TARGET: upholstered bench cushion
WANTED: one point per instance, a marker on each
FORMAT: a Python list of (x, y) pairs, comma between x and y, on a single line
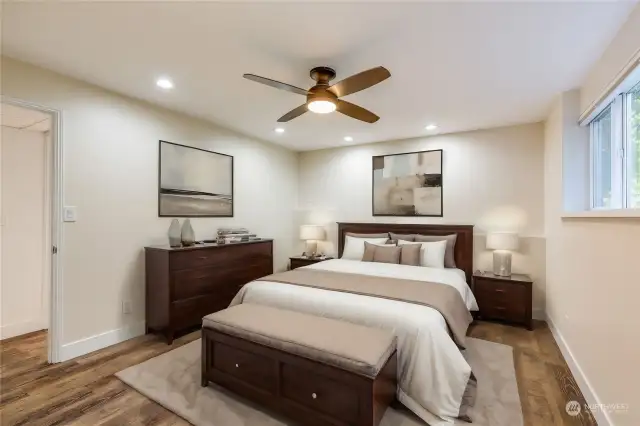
[(356, 348)]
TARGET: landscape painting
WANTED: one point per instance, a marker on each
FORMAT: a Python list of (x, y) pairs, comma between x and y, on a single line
[(194, 182), (408, 184)]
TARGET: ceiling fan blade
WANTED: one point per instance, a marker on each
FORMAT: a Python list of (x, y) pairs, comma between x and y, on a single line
[(354, 111), (360, 81), (296, 112), (276, 84)]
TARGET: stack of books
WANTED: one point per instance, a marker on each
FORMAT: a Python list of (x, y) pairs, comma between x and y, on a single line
[(235, 235)]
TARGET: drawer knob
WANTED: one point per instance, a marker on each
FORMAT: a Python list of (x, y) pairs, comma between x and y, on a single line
[(314, 396), (237, 366)]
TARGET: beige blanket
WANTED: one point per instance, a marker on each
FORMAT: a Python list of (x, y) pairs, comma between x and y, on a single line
[(444, 298)]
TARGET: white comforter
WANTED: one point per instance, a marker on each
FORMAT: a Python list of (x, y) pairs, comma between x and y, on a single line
[(432, 373)]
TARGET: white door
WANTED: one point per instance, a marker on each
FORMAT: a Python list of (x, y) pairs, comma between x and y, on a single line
[(23, 292)]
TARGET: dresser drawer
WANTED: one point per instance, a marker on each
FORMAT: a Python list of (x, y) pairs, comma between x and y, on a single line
[(188, 283), (320, 393), (246, 366), (221, 256)]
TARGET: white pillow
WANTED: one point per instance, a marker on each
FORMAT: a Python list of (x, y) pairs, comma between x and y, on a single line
[(431, 253), (354, 247)]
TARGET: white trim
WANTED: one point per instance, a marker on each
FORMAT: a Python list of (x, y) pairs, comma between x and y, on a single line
[(590, 396), (57, 196), (603, 214), (100, 341), (16, 329)]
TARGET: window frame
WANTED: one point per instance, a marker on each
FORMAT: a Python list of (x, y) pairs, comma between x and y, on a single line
[(620, 147)]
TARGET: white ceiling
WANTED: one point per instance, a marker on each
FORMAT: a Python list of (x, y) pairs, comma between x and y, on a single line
[(463, 66), (24, 118)]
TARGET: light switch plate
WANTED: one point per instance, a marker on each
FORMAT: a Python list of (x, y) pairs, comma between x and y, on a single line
[(70, 213)]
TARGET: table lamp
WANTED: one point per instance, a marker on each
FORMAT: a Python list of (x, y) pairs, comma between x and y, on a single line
[(503, 243), (312, 234)]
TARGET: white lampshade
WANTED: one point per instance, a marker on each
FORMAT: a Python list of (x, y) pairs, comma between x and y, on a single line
[(502, 241), (312, 232)]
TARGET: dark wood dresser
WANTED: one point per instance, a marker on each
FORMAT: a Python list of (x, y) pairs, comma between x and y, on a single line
[(504, 298), (186, 283)]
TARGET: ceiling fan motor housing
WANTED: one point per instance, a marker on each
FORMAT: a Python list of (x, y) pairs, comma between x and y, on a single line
[(323, 75)]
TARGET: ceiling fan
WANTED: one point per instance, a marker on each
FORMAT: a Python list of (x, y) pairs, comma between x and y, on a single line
[(323, 99)]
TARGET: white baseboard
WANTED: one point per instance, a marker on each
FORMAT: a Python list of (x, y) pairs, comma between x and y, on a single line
[(100, 341), (590, 396), (17, 329)]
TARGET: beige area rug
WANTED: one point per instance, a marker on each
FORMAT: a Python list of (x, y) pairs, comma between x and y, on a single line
[(173, 380)]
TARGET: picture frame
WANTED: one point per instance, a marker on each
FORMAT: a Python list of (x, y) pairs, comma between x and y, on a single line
[(194, 182), (408, 184)]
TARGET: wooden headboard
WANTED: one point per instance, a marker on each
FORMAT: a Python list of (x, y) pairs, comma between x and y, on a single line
[(463, 253)]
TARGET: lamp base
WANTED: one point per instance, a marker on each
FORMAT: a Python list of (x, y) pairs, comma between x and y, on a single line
[(310, 250), (502, 263)]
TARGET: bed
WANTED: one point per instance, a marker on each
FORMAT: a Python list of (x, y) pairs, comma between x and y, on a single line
[(434, 379)]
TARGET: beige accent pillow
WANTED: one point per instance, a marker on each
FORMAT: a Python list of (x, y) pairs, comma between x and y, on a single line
[(405, 237), (431, 253), (410, 254), (449, 260), (388, 253)]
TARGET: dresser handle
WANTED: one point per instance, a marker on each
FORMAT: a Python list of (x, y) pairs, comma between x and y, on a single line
[(314, 396), (203, 258), (499, 290), (500, 308), (237, 366)]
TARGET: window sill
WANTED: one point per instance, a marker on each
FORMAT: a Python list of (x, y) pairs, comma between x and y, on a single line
[(604, 214)]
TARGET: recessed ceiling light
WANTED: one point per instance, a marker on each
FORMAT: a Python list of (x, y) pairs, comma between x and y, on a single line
[(348, 139), (279, 130), (431, 127), (164, 83)]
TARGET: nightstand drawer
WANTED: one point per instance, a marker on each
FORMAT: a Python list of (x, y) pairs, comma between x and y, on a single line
[(504, 311), (496, 292)]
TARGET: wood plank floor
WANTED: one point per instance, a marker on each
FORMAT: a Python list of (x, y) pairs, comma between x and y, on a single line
[(85, 391)]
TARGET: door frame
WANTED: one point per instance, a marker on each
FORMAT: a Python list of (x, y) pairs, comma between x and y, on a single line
[(54, 231)]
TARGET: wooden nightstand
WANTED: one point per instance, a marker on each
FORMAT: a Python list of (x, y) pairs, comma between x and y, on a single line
[(299, 261), (504, 298)]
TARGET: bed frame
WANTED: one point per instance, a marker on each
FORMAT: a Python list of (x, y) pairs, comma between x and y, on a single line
[(463, 252)]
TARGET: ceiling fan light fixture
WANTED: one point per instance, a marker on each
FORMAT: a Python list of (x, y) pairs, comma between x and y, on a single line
[(321, 106)]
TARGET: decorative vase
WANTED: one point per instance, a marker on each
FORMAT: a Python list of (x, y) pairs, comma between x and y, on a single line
[(188, 236), (174, 234)]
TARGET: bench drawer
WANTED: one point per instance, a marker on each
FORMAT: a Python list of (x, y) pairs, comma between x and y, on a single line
[(248, 367), (320, 393)]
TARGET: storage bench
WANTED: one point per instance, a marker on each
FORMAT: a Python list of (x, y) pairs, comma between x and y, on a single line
[(314, 370)]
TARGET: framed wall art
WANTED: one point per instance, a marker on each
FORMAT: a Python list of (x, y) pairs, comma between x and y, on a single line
[(194, 182), (408, 184)]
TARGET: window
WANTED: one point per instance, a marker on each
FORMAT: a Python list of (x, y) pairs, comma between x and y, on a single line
[(615, 153), (633, 147)]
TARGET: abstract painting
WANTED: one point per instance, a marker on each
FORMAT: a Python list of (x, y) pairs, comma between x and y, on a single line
[(194, 182), (408, 184)]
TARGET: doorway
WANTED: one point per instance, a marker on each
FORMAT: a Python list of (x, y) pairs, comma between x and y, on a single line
[(29, 239)]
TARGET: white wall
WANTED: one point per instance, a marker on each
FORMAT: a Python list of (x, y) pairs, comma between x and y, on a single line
[(492, 179), (110, 174), (22, 276), (592, 285)]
